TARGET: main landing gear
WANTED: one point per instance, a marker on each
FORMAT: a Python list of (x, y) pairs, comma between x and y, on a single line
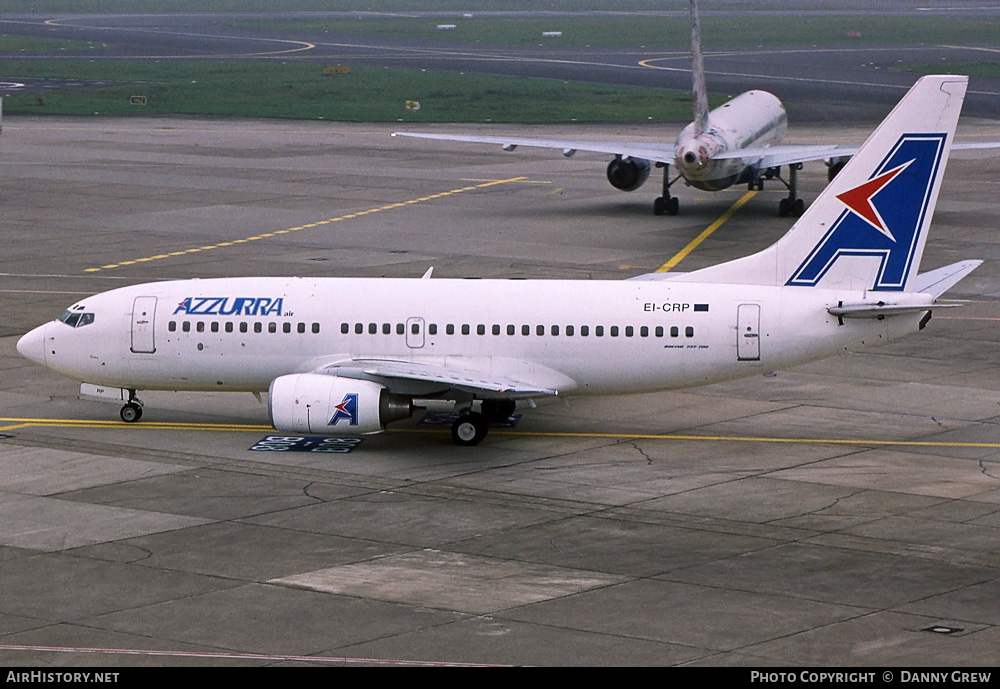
[(666, 204), (131, 411), (792, 204), (471, 427)]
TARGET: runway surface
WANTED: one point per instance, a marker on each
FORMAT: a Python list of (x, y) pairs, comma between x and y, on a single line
[(854, 82), (841, 513)]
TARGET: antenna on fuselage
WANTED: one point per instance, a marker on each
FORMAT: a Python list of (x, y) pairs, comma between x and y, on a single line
[(698, 87)]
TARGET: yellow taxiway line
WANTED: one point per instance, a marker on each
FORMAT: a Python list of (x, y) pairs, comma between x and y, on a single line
[(706, 233), (14, 423), (307, 226)]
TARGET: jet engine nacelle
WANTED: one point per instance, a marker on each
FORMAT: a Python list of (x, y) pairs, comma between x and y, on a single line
[(331, 405), (628, 174), (835, 165)]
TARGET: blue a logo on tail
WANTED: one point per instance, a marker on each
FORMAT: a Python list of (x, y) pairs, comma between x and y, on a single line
[(347, 409), (883, 216)]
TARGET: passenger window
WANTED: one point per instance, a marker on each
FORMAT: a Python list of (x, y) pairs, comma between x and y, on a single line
[(659, 331), (480, 329), (496, 329), (689, 331), (432, 329), (286, 327), (400, 329), (465, 329), (584, 330), (301, 328), (229, 327), (644, 331), (450, 328), (172, 326), (629, 331), (186, 326), (215, 326), (359, 328), (387, 328), (674, 332), (525, 329), (258, 327), (243, 327), (539, 330), (345, 328), (599, 330), (614, 331), (272, 327), (372, 328), (315, 328), (555, 330)]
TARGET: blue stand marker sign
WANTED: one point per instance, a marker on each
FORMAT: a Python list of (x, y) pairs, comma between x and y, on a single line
[(296, 443)]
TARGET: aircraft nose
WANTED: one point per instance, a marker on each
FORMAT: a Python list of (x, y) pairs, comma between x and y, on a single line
[(32, 345)]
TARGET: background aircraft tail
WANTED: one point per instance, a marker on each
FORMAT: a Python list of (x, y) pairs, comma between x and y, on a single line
[(867, 229), (698, 87)]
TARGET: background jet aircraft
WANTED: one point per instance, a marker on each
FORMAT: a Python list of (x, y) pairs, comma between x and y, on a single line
[(737, 143), (845, 275)]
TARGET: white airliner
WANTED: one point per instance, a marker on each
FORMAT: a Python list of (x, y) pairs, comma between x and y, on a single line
[(737, 143), (346, 356)]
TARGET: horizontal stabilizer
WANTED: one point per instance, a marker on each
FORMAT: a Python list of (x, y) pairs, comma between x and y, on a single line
[(881, 309), (937, 282)]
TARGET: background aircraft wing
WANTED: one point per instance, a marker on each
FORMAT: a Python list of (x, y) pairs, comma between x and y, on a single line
[(481, 376), (663, 153), (789, 154)]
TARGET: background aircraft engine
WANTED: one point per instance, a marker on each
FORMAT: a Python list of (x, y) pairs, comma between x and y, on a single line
[(628, 174), (330, 405)]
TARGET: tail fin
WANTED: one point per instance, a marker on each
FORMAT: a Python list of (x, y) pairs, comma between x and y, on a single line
[(698, 87), (867, 229)]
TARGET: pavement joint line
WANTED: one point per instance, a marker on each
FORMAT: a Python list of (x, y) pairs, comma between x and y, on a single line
[(319, 223)]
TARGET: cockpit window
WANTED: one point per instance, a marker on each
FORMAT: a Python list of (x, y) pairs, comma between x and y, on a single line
[(75, 319)]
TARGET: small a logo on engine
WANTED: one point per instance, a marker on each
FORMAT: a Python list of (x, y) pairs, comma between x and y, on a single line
[(348, 409)]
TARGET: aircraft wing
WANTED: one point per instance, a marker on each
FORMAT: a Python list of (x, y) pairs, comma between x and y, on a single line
[(663, 153), (481, 376), (789, 154)]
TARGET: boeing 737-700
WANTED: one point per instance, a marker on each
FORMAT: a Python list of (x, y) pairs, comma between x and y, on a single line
[(347, 356), (737, 143)]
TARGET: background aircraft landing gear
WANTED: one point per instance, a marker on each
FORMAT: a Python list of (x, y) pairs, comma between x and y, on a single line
[(469, 429), (792, 204), (670, 206), (788, 207), (131, 411), (666, 204)]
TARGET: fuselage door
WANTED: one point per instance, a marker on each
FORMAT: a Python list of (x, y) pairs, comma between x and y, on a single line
[(414, 333), (143, 315), (748, 332)]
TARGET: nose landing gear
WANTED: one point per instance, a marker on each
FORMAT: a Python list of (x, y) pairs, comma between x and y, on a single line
[(131, 411)]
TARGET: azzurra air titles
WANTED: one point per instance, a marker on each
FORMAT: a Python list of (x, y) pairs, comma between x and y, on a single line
[(232, 306)]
